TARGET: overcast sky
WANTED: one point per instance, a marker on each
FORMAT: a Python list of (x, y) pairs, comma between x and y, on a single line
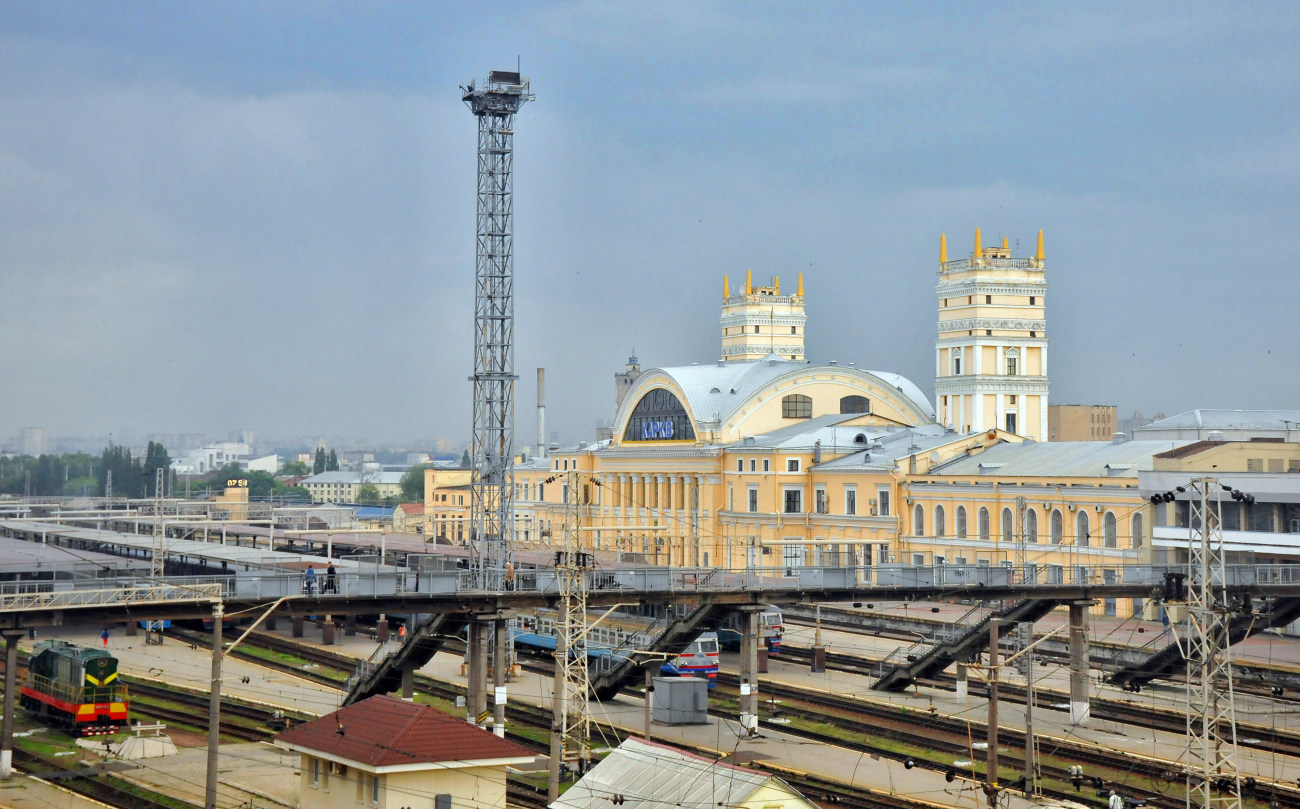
[(261, 215)]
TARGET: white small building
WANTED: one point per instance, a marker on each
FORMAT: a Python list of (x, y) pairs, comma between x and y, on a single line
[(213, 456), (387, 753), (646, 775)]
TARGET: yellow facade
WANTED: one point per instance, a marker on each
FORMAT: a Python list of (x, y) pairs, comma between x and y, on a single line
[(991, 353), (759, 321), (447, 500), (1081, 422), (327, 784)]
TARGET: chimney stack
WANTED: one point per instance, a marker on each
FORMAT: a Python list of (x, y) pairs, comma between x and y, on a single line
[(541, 412)]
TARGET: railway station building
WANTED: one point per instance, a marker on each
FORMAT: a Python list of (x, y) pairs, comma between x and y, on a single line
[(765, 459)]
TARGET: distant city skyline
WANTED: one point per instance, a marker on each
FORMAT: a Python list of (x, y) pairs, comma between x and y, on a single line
[(233, 216)]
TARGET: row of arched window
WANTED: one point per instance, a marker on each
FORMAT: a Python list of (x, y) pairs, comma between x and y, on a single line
[(1083, 536)]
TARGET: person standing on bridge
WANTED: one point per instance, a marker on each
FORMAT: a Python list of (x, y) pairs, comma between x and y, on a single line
[(510, 575), (331, 582), (309, 581)]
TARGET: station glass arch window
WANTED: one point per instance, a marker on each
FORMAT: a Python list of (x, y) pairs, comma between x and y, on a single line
[(984, 523), (1081, 537), (855, 404), (1031, 526), (918, 520), (1007, 527), (939, 527), (1110, 530), (961, 522), (1056, 528), (1137, 531), (796, 406)]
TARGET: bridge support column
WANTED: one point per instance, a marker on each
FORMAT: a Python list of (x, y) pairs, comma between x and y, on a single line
[(10, 704), (132, 629), (296, 624), (408, 684), (1079, 705), (961, 683), (269, 623), (350, 625), (476, 703), (381, 629), (327, 632), (500, 667), (750, 639)]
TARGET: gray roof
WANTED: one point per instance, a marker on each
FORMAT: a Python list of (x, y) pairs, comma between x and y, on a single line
[(1227, 420), (377, 478), (714, 391), (1060, 459), (652, 776), (887, 446)]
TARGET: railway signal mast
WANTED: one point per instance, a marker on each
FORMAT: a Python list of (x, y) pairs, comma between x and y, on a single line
[(1213, 781), (494, 101), (570, 722), (153, 634)]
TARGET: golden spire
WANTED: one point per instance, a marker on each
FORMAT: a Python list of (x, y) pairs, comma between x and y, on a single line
[(1006, 245), (800, 292), (725, 288), (979, 249), (776, 285), (943, 248), (1039, 254), (749, 282)]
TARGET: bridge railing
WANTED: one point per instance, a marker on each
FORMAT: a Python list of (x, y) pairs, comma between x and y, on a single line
[(16, 597)]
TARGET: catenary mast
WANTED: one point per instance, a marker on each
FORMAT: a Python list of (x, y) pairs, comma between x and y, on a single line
[(494, 100)]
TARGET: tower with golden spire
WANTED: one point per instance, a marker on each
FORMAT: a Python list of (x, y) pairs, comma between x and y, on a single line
[(991, 352), (760, 321)]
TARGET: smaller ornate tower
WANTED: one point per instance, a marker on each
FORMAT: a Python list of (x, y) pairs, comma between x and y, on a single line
[(991, 353), (623, 381), (760, 321)]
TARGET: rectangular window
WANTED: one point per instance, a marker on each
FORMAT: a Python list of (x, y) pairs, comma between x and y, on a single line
[(1032, 299), (988, 299), (819, 499), (1012, 363), (918, 559), (792, 555), (315, 771), (767, 464), (374, 789), (753, 465), (850, 501), (792, 465), (793, 501), (740, 465), (882, 497), (794, 329), (1011, 422), (753, 499), (1254, 464)]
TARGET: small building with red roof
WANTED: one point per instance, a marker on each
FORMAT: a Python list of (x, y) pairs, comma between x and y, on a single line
[(387, 753)]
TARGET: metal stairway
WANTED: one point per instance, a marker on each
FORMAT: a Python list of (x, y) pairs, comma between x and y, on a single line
[(962, 648), (1168, 662), (620, 669), (382, 673)]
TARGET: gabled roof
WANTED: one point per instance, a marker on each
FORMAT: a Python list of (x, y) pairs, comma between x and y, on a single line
[(383, 733), (412, 508), (652, 776), (1066, 459), (1210, 419)]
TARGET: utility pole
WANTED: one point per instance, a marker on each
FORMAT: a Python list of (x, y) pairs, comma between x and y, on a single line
[(1213, 781), (153, 634), (570, 722), (214, 708), (991, 786), (1031, 747)]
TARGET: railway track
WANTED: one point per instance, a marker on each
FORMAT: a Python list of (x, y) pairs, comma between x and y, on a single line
[(539, 717), (1126, 711)]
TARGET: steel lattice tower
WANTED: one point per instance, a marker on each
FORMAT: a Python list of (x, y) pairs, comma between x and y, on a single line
[(494, 100), (1210, 759)]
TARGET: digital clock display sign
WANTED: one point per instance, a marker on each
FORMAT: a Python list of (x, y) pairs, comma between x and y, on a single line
[(659, 416)]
